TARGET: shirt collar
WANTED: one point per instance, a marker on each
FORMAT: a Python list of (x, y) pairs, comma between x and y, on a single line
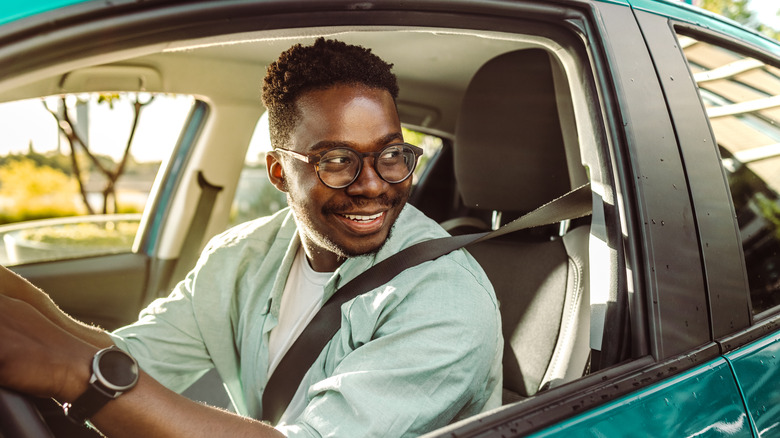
[(407, 230)]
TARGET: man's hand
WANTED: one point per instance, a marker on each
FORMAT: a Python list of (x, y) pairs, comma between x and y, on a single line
[(33, 347), (38, 339), (40, 358), (16, 287), (46, 353)]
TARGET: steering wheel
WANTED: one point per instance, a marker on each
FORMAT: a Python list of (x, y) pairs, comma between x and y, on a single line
[(19, 418)]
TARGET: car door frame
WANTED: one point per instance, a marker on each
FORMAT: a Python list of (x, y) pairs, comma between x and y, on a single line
[(734, 325), (663, 247), (748, 342)]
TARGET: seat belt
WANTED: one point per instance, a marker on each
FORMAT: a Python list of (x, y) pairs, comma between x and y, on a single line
[(299, 358)]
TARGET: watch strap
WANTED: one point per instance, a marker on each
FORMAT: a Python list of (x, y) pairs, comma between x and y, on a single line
[(87, 405)]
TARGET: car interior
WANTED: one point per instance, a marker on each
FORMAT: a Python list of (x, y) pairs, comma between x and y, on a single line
[(519, 121)]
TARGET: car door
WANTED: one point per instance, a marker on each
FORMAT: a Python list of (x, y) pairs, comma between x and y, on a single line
[(716, 79), (683, 244), (736, 76)]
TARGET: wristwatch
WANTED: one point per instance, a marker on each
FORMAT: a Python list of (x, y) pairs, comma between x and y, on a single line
[(114, 372)]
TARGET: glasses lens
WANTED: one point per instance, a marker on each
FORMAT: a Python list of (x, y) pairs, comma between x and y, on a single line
[(338, 167), (395, 163)]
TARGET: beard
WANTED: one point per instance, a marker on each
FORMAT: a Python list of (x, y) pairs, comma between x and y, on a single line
[(306, 224)]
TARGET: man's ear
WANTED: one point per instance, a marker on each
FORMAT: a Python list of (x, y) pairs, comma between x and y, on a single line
[(275, 171)]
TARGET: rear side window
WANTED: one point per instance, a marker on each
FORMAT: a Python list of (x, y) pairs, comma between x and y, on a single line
[(742, 98), (76, 171)]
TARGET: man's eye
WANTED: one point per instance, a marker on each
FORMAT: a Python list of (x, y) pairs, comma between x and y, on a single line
[(391, 154), (336, 161)]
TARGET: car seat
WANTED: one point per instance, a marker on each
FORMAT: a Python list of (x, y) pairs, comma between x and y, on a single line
[(509, 158)]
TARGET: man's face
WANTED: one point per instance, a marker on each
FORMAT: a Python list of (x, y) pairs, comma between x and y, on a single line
[(339, 223)]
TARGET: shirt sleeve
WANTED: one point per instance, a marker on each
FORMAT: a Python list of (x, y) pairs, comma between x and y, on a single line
[(411, 357), (166, 339)]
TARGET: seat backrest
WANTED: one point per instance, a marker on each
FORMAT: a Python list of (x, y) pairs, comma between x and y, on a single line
[(509, 157)]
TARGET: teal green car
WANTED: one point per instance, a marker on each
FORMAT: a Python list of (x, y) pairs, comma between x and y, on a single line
[(657, 315)]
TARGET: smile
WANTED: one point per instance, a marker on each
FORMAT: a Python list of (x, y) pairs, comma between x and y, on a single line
[(361, 218), (363, 224)]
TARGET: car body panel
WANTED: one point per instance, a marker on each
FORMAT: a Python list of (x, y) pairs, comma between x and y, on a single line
[(16, 10), (701, 402), (757, 370)]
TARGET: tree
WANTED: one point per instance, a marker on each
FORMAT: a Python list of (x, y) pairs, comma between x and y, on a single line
[(739, 11), (736, 10), (79, 146)]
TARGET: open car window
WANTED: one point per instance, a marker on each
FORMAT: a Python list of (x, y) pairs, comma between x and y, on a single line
[(76, 170), (546, 130)]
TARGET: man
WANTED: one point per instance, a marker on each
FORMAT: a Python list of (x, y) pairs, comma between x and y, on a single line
[(412, 355)]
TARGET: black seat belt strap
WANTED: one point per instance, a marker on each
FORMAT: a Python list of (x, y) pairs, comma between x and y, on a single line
[(299, 358)]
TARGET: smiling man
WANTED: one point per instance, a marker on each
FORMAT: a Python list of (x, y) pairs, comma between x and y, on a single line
[(412, 355), (344, 209)]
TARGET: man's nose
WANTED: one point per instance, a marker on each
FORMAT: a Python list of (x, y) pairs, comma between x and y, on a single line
[(368, 182)]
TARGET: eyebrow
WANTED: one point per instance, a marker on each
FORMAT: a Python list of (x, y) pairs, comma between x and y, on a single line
[(330, 144)]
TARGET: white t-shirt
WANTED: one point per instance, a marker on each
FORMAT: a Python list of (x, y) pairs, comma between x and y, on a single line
[(301, 300)]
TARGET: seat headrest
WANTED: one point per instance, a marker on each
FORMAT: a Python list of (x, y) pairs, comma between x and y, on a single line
[(509, 151)]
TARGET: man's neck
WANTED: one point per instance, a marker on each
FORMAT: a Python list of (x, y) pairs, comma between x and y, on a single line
[(322, 260)]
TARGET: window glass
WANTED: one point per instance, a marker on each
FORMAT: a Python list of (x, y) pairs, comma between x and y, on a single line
[(742, 98), (76, 171), (257, 197), (430, 144)]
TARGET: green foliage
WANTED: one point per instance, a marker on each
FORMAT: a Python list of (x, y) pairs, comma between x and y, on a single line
[(770, 210), (256, 196), (736, 10), (109, 98), (739, 11), (430, 144), (55, 161), (31, 191), (62, 162)]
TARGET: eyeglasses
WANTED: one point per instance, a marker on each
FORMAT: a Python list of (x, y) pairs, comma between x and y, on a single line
[(339, 167)]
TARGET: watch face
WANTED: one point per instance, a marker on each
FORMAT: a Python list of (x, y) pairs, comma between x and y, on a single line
[(116, 369)]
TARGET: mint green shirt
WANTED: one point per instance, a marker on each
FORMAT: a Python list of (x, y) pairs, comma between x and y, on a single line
[(413, 355)]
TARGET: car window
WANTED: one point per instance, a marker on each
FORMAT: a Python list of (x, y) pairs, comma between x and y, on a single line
[(76, 171), (741, 95), (257, 197), (431, 145)]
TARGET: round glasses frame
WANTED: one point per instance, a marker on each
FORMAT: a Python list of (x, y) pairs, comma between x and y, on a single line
[(315, 159)]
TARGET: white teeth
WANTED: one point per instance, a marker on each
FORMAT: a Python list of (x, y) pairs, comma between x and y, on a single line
[(355, 217)]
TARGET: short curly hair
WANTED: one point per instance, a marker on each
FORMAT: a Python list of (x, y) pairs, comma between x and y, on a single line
[(320, 66)]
